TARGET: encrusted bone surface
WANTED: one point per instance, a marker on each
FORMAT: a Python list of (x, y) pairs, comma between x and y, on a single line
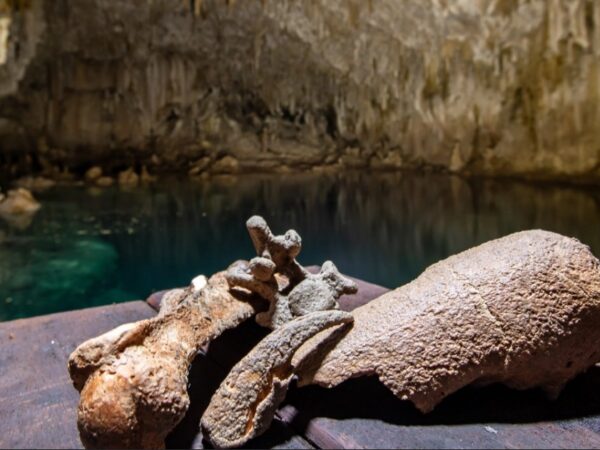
[(133, 379), (304, 293), (522, 310), (245, 403)]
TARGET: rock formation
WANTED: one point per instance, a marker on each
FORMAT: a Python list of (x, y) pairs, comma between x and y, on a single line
[(500, 87)]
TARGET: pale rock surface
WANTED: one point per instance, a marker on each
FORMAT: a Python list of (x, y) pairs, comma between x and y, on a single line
[(501, 87), (128, 178), (93, 174)]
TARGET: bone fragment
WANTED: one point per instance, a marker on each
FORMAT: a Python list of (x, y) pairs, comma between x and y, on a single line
[(245, 403), (133, 379), (523, 310)]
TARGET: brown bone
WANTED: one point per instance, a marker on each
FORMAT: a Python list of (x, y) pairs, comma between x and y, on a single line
[(523, 310), (304, 293), (133, 379), (244, 404)]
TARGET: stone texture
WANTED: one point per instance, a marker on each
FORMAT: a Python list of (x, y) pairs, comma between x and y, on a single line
[(522, 310), (93, 174), (502, 87)]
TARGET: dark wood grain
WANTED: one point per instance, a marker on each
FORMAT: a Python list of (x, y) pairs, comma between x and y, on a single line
[(38, 403)]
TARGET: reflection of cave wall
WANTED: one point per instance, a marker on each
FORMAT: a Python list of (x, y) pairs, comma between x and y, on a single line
[(119, 245), (490, 86)]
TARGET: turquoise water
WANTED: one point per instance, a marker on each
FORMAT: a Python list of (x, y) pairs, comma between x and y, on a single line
[(88, 247)]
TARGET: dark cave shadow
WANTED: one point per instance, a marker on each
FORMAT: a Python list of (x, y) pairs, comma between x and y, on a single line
[(367, 398)]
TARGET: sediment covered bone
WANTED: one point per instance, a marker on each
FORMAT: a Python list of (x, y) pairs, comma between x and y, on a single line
[(304, 292), (522, 310), (133, 379), (245, 403)]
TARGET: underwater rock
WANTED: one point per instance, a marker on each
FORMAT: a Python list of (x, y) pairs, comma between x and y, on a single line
[(128, 178), (93, 174), (522, 310), (67, 275), (35, 183), (18, 202), (133, 379)]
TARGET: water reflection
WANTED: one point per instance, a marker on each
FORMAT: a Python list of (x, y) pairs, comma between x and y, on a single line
[(88, 247)]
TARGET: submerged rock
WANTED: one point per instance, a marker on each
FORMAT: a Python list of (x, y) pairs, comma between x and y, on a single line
[(17, 202), (93, 174), (71, 275), (34, 183), (105, 181), (128, 178)]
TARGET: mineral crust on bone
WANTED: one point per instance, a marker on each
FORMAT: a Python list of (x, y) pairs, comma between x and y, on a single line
[(522, 310), (304, 293)]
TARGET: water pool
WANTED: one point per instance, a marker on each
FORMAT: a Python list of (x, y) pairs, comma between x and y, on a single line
[(91, 246)]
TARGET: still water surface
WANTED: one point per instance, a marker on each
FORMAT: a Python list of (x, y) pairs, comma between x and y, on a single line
[(88, 247)]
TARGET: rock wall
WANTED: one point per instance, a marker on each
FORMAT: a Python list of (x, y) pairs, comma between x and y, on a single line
[(495, 87)]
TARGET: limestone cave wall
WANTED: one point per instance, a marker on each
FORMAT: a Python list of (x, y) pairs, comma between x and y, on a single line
[(494, 87)]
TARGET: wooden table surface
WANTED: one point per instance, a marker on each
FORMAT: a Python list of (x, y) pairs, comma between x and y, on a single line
[(38, 402)]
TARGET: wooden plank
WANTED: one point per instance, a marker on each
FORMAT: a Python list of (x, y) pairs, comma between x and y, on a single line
[(362, 413), (37, 400)]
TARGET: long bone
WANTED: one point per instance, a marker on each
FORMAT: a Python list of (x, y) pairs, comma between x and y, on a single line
[(523, 310), (133, 379)]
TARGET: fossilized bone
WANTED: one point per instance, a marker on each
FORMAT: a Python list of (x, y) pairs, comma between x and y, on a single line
[(523, 310), (304, 293), (244, 404), (133, 379)]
